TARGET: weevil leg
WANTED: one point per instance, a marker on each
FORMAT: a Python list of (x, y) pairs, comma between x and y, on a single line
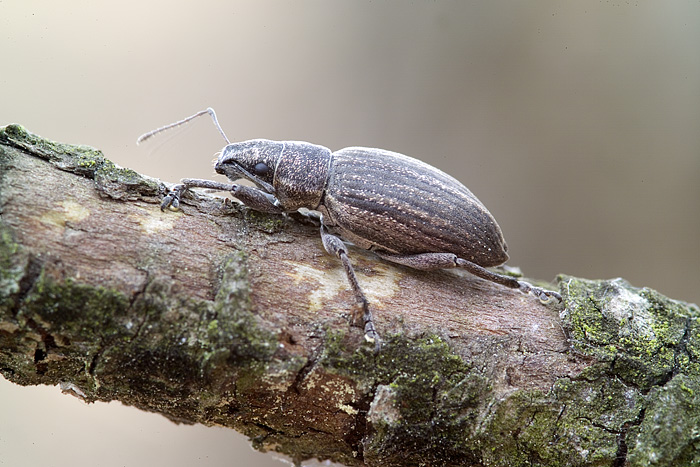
[(547, 297), (174, 195), (254, 198), (257, 199), (336, 247), (430, 261)]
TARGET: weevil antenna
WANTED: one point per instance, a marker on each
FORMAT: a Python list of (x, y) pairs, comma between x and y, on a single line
[(209, 111)]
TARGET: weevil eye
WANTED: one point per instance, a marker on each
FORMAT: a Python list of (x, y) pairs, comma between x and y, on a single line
[(260, 168)]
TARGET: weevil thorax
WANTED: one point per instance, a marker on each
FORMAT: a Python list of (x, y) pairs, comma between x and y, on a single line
[(294, 172)]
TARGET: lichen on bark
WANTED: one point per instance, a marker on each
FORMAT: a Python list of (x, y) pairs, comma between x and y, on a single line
[(220, 315)]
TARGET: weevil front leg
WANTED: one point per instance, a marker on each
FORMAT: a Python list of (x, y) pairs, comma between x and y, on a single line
[(174, 195), (336, 247), (430, 261), (254, 198)]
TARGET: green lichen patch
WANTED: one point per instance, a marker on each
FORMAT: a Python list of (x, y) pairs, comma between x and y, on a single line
[(428, 405), (641, 335), (155, 346), (12, 266), (120, 183), (578, 423), (59, 327), (80, 159), (110, 179), (670, 433), (185, 348), (78, 310), (201, 341), (232, 307), (454, 419), (429, 398), (163, 363), (265, 222)]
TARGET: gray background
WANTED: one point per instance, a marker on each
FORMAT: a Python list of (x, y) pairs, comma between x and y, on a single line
[(577, 124)]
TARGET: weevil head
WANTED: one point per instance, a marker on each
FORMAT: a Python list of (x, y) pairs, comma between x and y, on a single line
[(295, 172), (255, 160)]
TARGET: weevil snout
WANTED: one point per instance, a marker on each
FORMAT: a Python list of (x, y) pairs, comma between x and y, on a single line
[(254, 160), (230, 168)]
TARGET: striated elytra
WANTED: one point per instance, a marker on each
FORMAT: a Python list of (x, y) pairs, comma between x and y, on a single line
[(402, 209)]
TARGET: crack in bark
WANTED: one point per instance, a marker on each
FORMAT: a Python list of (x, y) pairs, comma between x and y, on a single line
[(32, 271), (622, 448)]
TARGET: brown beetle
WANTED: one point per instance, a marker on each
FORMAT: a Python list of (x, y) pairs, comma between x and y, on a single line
[(402, 209)]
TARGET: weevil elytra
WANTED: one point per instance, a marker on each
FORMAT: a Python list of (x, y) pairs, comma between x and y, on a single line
[(402, 209)]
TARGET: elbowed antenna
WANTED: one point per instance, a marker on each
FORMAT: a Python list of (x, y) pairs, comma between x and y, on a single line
[(209, 111)]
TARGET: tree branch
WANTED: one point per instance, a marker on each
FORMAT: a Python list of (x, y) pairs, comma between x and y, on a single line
[(221, 315)]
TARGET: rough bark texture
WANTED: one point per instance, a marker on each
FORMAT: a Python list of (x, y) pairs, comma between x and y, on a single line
[(220, 315)]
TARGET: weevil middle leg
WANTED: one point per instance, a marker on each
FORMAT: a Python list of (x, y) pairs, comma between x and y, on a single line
[(336, 247)]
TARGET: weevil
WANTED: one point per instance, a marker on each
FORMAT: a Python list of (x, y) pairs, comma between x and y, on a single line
[(402, 209)]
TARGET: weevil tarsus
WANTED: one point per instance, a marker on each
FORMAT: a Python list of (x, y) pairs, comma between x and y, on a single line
[(546, 297)]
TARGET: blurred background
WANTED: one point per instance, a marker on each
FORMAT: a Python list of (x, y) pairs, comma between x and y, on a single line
[(577, 124)]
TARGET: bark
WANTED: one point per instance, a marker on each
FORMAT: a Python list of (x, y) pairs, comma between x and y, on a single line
[(223, 316)]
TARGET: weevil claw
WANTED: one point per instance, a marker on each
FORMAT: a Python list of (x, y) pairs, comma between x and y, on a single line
[(371, 335), (546, 297), (168, 201), (362, 317), (172, 199)]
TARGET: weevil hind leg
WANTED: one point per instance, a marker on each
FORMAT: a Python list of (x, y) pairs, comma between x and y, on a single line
[(336, 247), (431, 261), (546, 297)]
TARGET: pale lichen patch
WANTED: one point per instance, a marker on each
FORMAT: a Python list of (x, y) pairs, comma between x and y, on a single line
[(330, 283), (380, 286), (383, 409), (67, 211), (340, 391), (156, 223)]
